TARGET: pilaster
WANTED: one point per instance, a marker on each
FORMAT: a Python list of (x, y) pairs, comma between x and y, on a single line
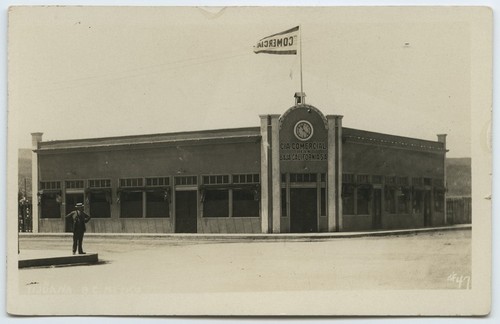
[(264, 173), (275, 174), (36, 138)]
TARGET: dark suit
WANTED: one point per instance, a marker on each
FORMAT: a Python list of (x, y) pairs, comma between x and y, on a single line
[(79, 219)]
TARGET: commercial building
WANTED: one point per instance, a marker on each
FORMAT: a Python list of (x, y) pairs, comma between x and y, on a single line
[(298, 172)]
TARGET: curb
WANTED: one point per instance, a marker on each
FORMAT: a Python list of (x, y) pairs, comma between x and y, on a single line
[(245, 237), (64, 260)]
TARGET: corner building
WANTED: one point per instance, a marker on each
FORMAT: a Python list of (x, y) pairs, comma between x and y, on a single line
[(299, 172)]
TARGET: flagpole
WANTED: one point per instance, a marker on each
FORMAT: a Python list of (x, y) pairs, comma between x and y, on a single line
[(301, 82)]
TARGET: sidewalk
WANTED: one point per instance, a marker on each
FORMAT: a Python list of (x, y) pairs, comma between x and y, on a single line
[(247, 236)]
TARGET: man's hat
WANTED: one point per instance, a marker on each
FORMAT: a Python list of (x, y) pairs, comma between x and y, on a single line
[(79, 205)]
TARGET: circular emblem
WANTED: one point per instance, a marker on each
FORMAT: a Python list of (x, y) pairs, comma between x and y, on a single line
[(303, 130)]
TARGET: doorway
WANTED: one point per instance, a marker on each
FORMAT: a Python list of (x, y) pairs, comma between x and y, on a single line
[(303, 210), (186, 211), (71, 200)]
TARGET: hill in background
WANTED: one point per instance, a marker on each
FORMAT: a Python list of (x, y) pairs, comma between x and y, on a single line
[(24, 172), (458, 177)]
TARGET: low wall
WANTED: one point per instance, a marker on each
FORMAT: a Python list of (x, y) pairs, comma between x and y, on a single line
[(229, 225), (108, 225), (139, 225), (356, 222), (395, 221), (323, 224), (157, 225), (47, 225), (438, 219)]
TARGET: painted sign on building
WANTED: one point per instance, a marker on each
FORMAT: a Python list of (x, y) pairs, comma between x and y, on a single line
[(303, 139)]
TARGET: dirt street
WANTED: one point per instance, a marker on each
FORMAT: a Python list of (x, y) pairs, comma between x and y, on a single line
[(439, 260)]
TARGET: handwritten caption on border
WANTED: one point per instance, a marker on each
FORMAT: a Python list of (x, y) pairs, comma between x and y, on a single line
[(462, 281)]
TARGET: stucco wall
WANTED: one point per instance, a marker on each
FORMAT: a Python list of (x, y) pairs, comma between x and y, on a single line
[(379, 160), (163, 161), (225, 158)]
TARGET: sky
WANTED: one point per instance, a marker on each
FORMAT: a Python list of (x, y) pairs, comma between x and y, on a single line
[(98, 72)]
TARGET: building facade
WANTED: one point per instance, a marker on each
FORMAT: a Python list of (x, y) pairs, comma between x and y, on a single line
[(299, 172)]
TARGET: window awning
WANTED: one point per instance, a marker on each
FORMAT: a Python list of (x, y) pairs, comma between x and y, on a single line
[(49, 191), (254, 186), (98, 190)]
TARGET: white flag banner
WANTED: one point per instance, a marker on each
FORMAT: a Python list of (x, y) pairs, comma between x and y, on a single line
[(284, 43)]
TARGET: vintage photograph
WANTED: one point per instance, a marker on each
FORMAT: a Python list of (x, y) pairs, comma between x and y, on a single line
[(249, 160)]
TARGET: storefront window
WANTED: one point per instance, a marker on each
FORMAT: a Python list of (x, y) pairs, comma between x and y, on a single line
[(403, 201), (130, 204), (390, 200), (417, 202), (244, 203), (363, 201), (216, 203), (99, 204), (50, 206), (348, 199), (157, 204)]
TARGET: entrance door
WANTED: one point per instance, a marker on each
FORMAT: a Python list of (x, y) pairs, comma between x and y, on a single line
[(186, 211), (427, 208), (377, 208), (71, 200), (303, 210)]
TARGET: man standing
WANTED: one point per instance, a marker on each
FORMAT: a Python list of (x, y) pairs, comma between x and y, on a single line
[(79, 219)]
